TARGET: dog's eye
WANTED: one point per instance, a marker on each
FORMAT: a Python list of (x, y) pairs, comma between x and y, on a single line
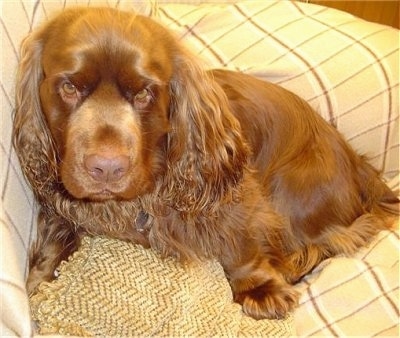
[(142, 99), (69, 89), (70, 93), (142, 95)]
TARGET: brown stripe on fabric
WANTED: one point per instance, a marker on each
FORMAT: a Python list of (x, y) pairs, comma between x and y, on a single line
[(12, 227), (6, 154), (9, 100), (178, 20), (318, 311), (382, 69), (207, 45), (377, 156), (363, 307), (271, 33), (17, 175), (185, 14), (392, 173), (45, 14), (382, 289), (31, 20), (306, 41), (44, 8), (238, 25), (190, 28), (326, 60), (196, 36), (383, 332), (300, 9), (380, 125), (367, 100), (369, 249), (297, 54), (359, 72), (329, 325), (242, 51), (12, 285), (343, 282), (394, 233), (14, 48)]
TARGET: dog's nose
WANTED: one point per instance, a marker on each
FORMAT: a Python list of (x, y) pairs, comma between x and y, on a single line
[(105, 169)]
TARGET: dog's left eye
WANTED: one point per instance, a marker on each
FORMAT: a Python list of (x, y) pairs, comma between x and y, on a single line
[(142, 95), (142, 98), (69, 89)]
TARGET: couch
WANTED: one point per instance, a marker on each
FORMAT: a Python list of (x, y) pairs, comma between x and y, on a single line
[(345, 67)]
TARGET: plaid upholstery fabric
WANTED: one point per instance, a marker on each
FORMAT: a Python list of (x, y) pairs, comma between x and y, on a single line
[(345, 67), (353, 296)]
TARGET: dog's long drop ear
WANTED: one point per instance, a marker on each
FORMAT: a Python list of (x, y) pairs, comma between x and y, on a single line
[(31, 138), (207, 153)]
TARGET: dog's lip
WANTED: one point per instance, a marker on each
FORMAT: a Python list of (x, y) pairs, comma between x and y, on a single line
[(104, 194)]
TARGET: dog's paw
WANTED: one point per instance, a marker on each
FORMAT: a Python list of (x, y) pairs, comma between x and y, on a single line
[(271, 300), (37, 276)]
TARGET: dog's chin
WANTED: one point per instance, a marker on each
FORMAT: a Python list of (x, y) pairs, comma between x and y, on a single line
[(103, 195), (107, 193), (98, 196)]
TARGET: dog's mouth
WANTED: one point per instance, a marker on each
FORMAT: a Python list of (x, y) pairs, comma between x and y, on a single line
[(127, 188), (103, 195), (106, 194)]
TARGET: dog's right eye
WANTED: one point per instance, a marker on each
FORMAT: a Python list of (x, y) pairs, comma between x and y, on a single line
[(69, 93)]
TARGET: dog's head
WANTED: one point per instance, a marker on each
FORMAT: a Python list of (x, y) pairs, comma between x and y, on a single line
[(111, 105)]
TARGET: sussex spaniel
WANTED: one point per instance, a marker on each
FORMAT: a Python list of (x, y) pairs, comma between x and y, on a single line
[(120, 132)]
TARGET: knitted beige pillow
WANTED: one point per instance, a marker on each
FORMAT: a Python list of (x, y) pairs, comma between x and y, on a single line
[(113, 288)]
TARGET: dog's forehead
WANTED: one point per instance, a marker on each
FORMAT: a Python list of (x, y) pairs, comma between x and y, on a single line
[(111, 40)]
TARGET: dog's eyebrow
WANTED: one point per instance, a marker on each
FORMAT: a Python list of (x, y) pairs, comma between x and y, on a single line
[(152, 80), (148, 74)]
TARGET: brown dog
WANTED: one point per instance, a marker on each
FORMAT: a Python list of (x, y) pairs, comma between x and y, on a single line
[(121, 133)]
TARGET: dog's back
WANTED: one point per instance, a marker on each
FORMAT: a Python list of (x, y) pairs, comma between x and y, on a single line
[(308, 171)]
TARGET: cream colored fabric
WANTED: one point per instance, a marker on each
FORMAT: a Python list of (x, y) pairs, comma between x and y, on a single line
[(345, 67), (114, 288), (341, 298), (14, 305)]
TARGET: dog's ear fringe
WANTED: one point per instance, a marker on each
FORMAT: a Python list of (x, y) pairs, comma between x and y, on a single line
[(207, 154), (31, 138)]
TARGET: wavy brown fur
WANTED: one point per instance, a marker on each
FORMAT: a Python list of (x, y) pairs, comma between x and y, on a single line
[(120, 132)]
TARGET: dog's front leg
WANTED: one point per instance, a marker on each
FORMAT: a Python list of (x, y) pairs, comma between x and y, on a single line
[(255, 268), (54, 242)]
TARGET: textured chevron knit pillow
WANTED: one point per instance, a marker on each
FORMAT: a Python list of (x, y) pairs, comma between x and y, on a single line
[(113, 288)]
